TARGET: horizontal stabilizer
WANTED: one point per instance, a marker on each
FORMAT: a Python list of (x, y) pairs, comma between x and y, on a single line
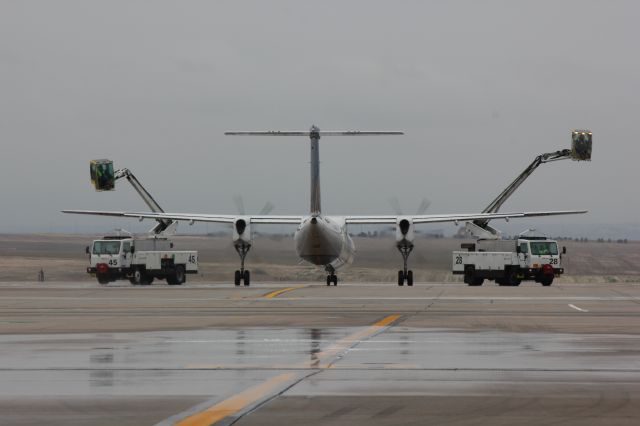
[(309, 133)]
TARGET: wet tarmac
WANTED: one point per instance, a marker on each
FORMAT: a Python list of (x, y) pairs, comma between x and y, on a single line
[(279, 353)]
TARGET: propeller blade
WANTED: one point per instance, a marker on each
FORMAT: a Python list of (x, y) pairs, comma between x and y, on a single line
[(395, 205), (268, 206), (424, 206), (239, 204)]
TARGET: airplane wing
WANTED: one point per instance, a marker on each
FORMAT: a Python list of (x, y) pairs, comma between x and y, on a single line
[(439, 218), (191, 217), (295, 220)]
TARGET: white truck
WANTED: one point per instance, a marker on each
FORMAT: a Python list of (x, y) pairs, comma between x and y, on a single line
[(509, 262), (139, 260)]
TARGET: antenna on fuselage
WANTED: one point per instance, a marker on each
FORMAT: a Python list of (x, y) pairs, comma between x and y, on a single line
[(314, 134)]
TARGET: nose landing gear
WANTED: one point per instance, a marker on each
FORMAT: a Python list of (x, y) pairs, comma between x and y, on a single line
[(406, 275), (242, 274)]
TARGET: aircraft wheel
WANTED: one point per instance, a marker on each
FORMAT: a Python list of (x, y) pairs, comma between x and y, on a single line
[(400, 278), (334, 278), (410, 278), (247, 278), (328, 279), (236, 278)]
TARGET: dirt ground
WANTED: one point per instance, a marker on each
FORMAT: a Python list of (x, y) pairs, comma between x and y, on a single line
[(272, 258)]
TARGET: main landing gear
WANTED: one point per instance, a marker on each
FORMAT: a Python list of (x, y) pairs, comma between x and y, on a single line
[(332, 278), (242, 274), (405, 275)]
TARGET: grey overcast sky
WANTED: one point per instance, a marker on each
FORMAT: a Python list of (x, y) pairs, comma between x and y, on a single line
[(480, 88)]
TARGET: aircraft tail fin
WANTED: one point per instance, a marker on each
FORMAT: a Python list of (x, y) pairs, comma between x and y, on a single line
[(314, 135)]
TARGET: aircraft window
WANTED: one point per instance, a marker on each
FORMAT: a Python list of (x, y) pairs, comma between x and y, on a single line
[(106, 247), (544, 248)]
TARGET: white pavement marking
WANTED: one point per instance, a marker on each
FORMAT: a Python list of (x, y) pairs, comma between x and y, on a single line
[(577, 309)]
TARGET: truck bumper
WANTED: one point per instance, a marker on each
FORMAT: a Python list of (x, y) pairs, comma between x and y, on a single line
[(109, 271)]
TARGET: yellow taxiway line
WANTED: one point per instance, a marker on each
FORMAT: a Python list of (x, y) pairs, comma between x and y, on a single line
[(235, 403), (279, 292), (242, 400)]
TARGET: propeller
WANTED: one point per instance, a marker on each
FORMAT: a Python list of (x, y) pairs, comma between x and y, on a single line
[(266, 209), (422, 208), (239, 202)]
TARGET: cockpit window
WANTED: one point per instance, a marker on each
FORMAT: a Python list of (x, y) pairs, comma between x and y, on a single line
[(106, 247)]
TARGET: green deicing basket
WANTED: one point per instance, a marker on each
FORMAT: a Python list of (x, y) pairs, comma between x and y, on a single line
[(102, 175), (581, 142)]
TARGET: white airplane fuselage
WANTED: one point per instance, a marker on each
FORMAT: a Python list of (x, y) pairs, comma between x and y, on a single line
[(324, 241)]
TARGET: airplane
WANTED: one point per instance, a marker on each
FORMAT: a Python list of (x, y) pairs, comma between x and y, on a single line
[(320, 239)]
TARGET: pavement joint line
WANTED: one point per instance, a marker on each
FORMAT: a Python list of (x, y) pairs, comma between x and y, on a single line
[(468, 299), (276, 293), (250, 399), (346, 368), (324, 298), (577, 308)]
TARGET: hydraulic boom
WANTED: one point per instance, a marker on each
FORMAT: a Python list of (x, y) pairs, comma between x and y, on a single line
[(163, 224), (580, 151)]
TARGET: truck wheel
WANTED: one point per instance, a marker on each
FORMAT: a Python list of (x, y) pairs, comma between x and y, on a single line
[(512, 278), (410, 278), (470, 276), (102, 279), (237, 278), (140, 277), (477, 281), (400, 278), (247, 278), (546, 281), (179, 275), (136, 279)]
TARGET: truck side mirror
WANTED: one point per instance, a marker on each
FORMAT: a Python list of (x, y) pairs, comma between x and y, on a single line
[(564, 249), (132, 249), (86, 249), (518, 250), (170, 245)]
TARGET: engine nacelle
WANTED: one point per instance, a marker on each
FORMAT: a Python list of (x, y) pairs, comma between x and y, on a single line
[(404, 230), (242, 230)]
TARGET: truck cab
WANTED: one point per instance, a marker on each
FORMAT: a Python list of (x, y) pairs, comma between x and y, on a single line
[(113, 252), (533, 254)]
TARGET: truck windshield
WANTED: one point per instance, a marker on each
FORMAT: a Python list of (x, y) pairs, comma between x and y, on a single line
[(106, 247), (544, 248)]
